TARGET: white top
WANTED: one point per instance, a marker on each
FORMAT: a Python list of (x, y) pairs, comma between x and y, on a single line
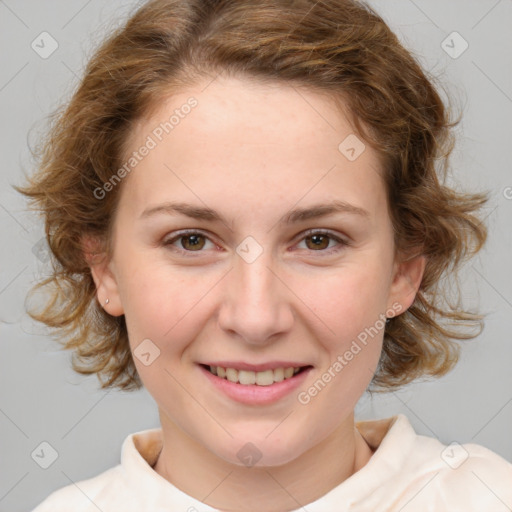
[(407, 473)]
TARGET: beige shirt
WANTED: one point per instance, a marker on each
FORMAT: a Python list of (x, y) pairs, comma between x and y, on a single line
[(407, 473)]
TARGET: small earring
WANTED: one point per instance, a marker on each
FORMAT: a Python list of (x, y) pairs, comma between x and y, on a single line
[(107, 301)]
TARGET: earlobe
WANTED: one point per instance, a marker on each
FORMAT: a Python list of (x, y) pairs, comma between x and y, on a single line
[(102, 271), (407, 280)]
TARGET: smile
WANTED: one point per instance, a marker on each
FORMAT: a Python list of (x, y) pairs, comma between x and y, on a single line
[(261, 378), (254, 384)]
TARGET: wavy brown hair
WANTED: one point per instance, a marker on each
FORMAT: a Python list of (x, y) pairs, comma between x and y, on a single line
[(338, 47)]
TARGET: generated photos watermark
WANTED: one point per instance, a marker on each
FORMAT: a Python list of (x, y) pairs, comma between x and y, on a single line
[(157, 135), (366, 335)]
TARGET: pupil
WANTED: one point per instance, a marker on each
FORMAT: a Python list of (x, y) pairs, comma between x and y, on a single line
[(319, 241), (192, 241)]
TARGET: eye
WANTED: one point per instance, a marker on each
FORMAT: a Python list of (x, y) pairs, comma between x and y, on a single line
[(319, 241), (188, 241), (195, 241)]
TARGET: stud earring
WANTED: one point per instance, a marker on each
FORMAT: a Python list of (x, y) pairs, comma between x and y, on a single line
[(107, 301)]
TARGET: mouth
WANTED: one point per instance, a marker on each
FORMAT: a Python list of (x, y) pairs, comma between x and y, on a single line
[(248, 377)]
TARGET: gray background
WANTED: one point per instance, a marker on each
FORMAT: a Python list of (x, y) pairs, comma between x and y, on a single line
[(43, 400)]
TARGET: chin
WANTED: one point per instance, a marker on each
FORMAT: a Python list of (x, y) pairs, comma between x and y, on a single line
[(259, 450)]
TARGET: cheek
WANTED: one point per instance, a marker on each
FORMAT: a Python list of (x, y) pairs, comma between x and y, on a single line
[(349, 301), (169, 308), (352, 306)]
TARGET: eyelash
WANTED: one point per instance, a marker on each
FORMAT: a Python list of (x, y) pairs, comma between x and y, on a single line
[(182, 234)]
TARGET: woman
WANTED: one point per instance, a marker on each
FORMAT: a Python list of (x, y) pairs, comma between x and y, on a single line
[(246, 207)]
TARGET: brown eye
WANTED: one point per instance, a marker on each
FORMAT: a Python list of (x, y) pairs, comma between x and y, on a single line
[(187, 242), (318, 242), (323, 242), (194, 242)]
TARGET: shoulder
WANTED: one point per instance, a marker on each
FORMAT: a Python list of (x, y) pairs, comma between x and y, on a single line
[(409, 471), (456, 477), (81, 496), (475, 477), (119, 486)]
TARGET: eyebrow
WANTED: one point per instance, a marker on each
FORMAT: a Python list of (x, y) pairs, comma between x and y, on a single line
[(294, 216)]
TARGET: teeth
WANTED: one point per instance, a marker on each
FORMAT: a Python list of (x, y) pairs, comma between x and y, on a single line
[(247, 378), (278, 374), (265, 378), (232, 374)]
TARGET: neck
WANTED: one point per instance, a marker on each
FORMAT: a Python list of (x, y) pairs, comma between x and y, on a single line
[(199, 473)]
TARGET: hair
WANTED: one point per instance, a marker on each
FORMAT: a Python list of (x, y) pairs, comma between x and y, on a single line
[(338, 47)]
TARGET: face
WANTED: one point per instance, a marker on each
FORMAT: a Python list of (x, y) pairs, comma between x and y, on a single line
[(246, 237)]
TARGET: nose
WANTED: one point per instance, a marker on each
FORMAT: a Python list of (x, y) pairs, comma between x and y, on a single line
[(257, 304)]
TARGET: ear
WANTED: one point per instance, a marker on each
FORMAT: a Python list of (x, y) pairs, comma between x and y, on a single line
[(408, 273), (103, 275)]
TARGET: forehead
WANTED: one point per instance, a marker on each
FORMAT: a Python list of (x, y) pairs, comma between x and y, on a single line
[(262, 142)]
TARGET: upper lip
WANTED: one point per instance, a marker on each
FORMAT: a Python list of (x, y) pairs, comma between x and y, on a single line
[(241, 365)]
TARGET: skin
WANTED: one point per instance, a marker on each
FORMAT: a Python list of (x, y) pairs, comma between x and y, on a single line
[(253, 152)]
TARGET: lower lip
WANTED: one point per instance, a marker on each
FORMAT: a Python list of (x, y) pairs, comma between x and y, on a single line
[(254, 394)]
